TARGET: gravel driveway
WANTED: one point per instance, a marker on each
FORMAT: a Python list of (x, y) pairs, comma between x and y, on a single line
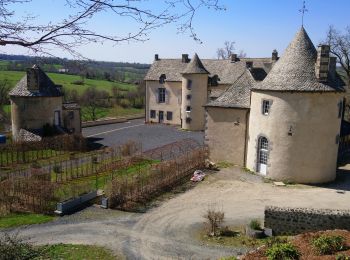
[(168, 231)]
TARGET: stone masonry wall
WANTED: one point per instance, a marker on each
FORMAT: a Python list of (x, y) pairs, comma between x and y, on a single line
[(291, 221)]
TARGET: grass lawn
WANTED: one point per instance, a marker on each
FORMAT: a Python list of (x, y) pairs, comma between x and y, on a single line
[(20, 219), (76, 252), (116, 111), (67, 81)]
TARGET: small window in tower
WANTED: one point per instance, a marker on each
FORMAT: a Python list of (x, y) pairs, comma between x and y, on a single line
[(153, 114), (188, 109), (189, 84), (266, 107), (189, 97), (188, 120), (340, 109), (169, 116)]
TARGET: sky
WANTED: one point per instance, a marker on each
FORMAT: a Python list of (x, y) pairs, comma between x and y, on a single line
[(256, 26)]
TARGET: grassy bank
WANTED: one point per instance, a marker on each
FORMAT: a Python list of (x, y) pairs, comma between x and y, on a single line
[(20, 219), (76, 252)]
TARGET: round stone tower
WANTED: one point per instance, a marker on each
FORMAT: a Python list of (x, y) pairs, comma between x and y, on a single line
[(194, 95), (295, 116)]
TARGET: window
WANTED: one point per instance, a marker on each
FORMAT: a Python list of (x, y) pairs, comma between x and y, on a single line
[(189, 84), (153, 114), (340, 109), (161, 95), (162, 79), (189, 97), (266, 107), (169, 116), (188, 120), (188, 109)]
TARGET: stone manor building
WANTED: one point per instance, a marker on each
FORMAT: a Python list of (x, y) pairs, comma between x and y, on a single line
[(279, 117)]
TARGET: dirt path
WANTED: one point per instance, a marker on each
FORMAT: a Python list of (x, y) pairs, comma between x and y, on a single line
[(168, 231)]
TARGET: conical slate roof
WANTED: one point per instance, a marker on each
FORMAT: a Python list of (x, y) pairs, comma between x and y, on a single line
[(238, 95), (295, 70), (195, 66), (46, 87)]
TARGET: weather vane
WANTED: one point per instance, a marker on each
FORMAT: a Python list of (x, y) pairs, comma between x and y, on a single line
[(303, 11)]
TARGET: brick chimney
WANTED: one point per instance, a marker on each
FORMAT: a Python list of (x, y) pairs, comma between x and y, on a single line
[(185, 58), (274, 55), (233, 57), (33, 78), (322, 62), (332, 66), (156, 57)]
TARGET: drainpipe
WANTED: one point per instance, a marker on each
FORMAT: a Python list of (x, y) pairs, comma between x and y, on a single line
[(246, 137)]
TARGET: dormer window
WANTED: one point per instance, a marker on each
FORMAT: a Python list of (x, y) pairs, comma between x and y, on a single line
[(266, 105), (214, 81), (162, 78)]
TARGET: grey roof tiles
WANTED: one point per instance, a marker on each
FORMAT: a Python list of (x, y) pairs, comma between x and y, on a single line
[(295, 70), (46, 87), (238, 95)]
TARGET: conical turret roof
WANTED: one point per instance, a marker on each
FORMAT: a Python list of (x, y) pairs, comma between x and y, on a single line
[(295, 70), (195, 66)]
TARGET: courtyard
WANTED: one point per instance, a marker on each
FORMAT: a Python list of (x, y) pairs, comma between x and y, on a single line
[(149, 135), (170, 229)]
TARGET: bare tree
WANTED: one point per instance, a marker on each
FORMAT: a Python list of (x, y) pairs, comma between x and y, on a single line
[(75, 30), (91, 100), (340, 47), (228, 49), (4, 98)]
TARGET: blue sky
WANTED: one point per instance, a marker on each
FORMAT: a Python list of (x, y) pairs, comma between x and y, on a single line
[(257, 27)]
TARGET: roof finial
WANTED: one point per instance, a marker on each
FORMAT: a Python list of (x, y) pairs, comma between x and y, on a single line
[(303, 10)]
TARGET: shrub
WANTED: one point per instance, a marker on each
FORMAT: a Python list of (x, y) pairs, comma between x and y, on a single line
[(214, 220), (342, 257), (328, 244), (285, 251), (13, 248), (255, 224), (78, 82)]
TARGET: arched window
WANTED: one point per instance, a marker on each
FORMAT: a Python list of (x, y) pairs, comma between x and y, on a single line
[(263, 152)]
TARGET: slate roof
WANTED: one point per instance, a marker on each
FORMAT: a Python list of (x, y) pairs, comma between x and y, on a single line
[(295, 70), (238, 95), (28, 136), (195, 66), (46, 87), (227, 71)]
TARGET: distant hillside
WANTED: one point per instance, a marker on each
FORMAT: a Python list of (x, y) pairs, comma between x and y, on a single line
[(99, 70)]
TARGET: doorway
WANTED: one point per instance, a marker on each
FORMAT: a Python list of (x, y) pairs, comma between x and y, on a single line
[(57, 120), (161, 116), (263, 152)]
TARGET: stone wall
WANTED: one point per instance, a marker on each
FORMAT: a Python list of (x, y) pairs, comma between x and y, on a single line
[(291, 221)]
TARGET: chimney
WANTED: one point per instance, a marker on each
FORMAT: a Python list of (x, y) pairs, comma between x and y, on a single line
[(156, 57), (332, 66), (322, 62), (233, 57), (274, 55), (185, 58), (249, 64), (33, 79)]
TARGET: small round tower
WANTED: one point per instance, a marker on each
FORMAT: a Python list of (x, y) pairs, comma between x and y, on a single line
[(194, 95), (295, 116)]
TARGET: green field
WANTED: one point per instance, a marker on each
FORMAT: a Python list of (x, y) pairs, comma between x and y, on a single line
[(67, 81), (76, 252), (20, 219)]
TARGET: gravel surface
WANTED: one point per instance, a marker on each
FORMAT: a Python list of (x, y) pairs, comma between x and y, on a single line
[(169, 230)]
